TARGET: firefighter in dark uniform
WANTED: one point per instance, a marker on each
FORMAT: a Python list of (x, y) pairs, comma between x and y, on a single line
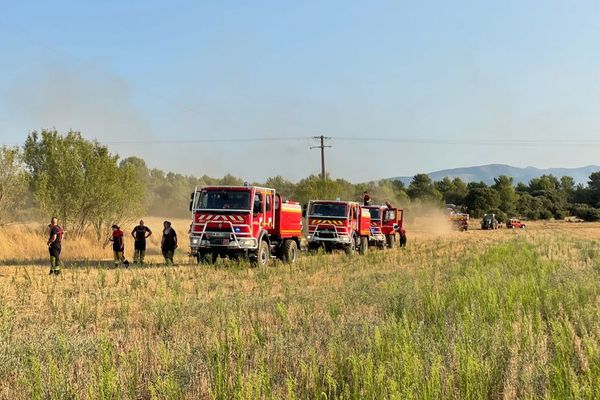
[(140, 233), (168, 243), (54, 246), (118, 246), (366, 199)]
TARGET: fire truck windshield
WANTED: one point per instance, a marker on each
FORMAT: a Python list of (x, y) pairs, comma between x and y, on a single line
[(328, 210), (375, 213), (224, 200)]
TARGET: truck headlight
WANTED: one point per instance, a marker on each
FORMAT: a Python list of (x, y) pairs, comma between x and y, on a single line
[(194, 241)]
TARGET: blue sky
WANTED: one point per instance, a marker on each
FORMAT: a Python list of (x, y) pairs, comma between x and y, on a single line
[(143, 71)]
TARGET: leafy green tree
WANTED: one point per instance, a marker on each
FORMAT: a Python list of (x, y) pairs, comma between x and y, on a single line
[(508, 197), (315, 188), (453, 191), (482, 200), (422, 188), (284, 187), (80, 181), (13, 185), (544, 182), (594, 189)]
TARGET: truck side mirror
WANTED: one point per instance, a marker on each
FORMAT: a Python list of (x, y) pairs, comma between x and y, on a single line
[(192, 201)]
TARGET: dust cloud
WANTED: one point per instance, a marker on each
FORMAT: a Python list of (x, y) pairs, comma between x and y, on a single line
[(426, 219)]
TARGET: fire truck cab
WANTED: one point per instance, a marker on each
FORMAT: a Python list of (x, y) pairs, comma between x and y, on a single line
[(338, 225), (244, 221)]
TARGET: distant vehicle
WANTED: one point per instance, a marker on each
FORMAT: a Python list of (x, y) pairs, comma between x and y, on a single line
[(515, 223), (489, 221), (459, 221)]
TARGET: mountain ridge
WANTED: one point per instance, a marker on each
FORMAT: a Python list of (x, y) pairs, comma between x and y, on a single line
[(488, 172)]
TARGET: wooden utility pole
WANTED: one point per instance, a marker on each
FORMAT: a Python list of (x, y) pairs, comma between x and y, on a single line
[(322, 147)]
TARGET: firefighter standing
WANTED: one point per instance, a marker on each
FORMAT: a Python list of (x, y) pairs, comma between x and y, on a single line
[(54, 246), (118, 246), (140, 233), (366, 199), (168, 243)]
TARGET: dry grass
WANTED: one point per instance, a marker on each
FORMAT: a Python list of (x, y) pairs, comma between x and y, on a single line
[(510, 314)]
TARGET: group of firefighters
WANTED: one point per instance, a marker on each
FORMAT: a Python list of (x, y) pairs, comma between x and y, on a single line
[(140, 234)]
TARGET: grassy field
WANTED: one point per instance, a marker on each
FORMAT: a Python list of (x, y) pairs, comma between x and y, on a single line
[(503, 314)]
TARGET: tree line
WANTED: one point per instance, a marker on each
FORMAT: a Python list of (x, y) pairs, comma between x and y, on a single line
[(89, 188)]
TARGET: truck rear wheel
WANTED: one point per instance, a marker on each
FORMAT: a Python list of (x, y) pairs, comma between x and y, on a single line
[(263, 254), (391, 241), (364, 245), (289, 251)]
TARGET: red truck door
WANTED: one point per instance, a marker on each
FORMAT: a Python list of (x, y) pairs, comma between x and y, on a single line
[(258, 213)]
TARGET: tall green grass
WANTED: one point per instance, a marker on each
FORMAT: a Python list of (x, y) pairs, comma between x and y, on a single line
[(515, 318)]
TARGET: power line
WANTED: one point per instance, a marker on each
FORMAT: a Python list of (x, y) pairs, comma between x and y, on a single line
[(211, 140)]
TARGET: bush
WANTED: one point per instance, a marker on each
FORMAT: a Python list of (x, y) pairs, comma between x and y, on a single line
[(545, 214), (586, 213), (559, 215)]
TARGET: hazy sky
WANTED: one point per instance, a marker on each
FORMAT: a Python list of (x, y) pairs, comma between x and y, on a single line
[(144, 71)]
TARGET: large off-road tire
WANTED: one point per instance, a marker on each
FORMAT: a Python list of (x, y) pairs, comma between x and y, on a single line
[(289, 251), (350, 248), (364, 245), (391, 241), (263, 255)]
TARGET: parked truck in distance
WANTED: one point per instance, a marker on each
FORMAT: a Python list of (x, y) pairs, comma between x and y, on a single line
[(338, 225), (244, 221), (459, 221), (489, 221), (515, 223)]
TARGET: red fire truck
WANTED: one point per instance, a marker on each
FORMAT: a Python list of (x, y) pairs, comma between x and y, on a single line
[(338, 225), (244, 221), (385, 223)]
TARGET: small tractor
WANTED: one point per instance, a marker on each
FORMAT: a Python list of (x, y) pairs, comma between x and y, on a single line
[(515, 223), (489, 221), (244, 221), (338, 225), (385, 223), (460, 221)]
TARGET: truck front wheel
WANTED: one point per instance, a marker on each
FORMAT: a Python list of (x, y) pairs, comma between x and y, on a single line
[(263, 254), (289, 251), (364, 245)]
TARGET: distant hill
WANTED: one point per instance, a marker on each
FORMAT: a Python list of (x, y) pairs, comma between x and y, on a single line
[(487, 173)]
